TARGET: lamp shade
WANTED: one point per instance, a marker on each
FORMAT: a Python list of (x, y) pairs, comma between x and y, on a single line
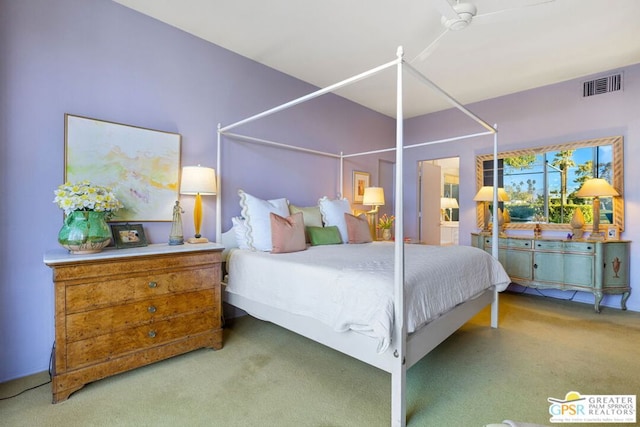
[(596, 187), (448, 203), (485, 194), (198, 180), (373, 196)]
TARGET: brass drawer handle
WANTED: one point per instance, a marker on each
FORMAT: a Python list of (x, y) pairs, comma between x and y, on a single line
[(152, 309), (153, 284), (152, 334)]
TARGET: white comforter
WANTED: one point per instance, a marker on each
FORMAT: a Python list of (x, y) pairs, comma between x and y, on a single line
[(351, 286)]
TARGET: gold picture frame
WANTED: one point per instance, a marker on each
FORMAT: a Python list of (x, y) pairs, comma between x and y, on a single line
[(361, 180), (613, 232)]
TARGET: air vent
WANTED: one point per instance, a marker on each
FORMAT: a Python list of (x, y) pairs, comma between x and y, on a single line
[(602, 85)]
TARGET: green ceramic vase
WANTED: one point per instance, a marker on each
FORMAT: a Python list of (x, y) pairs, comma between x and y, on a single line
[(85, 232)]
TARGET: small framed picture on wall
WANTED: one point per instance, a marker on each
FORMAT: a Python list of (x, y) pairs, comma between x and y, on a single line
[(613, 233), (360, 182)]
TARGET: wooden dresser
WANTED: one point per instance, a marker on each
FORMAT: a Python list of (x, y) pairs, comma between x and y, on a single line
[(125, 308)]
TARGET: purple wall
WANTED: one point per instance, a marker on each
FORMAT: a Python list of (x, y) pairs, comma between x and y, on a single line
[(98, 59)]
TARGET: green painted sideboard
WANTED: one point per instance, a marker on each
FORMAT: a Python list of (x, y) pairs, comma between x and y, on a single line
[(599, 267)]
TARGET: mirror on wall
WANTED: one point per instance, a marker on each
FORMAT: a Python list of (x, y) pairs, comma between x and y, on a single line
[(438, 207), (542, 182)]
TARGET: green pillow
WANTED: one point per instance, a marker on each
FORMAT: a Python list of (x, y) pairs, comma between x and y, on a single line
[(324, 235)]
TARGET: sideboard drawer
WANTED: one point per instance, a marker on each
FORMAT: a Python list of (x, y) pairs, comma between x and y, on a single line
[(549, 245), (519, 243), (509, 243), (584, 247)]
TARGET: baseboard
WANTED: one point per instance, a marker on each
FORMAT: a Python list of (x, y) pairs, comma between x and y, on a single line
[(13, 387)]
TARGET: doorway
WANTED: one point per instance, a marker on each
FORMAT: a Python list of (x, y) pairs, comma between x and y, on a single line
[(438, 211)]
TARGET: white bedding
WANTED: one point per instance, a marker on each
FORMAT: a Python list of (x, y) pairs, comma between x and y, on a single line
[(351, 286)]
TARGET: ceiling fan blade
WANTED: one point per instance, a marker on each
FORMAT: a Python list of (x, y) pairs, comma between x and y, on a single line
[(522, 6), (445, 8), (429, 49)]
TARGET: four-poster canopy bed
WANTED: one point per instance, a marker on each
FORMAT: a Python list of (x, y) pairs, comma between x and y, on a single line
[(408, 339)]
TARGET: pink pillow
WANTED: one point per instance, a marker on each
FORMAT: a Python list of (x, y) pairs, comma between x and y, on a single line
[(358, 228), (287, 234)]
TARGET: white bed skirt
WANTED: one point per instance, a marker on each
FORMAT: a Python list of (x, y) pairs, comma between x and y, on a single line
[(361, 346)]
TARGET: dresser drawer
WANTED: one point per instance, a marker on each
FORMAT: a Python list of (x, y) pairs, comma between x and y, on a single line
[(88, 324), (86, 272), (519, 243), (549, 245), (120, 290), (509, 243), (585, 247), (109, 346)]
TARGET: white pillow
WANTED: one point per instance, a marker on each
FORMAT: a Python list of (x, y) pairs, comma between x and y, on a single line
[(256, 214), (240, 232), (333, 214)]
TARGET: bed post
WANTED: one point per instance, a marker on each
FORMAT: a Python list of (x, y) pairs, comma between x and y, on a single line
[(219, 192), (399, 370), (341, 188), (495, 231)]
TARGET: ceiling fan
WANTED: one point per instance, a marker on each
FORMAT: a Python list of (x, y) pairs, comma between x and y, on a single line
[(458, 16)]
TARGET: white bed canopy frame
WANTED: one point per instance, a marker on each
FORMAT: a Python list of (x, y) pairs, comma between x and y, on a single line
[(405, 350)]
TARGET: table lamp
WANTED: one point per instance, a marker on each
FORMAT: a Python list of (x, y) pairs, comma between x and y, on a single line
[(485, 195), (448, 203), (596, 187), (200, 181), (373, 196)]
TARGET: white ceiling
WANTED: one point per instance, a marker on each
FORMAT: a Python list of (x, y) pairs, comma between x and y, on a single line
[(326, 41)]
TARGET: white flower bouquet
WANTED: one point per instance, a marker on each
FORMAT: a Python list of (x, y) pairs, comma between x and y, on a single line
[(84, 196)]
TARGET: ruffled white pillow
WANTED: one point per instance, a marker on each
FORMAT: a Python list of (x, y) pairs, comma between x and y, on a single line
[(333, 214), (256, 214), (240, 232)]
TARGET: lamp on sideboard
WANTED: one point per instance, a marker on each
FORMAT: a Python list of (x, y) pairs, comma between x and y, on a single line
[(596, 188), (485, 195), (373, 196), (198, 181)]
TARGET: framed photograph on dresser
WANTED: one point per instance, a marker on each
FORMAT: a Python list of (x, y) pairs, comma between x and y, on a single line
[(128, 235), (613, 232)]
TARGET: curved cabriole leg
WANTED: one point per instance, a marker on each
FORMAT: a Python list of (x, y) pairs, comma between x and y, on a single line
[(598, 296), (625, 297)]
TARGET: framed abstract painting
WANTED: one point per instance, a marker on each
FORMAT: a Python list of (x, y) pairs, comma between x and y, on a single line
[(142, 166)]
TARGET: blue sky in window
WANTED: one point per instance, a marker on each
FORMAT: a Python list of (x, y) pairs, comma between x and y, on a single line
[(515, 176)]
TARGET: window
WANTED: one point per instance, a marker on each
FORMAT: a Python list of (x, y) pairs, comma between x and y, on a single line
[(542, 182)]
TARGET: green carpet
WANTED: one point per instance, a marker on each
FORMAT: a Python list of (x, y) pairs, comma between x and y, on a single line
[(267, 376)]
